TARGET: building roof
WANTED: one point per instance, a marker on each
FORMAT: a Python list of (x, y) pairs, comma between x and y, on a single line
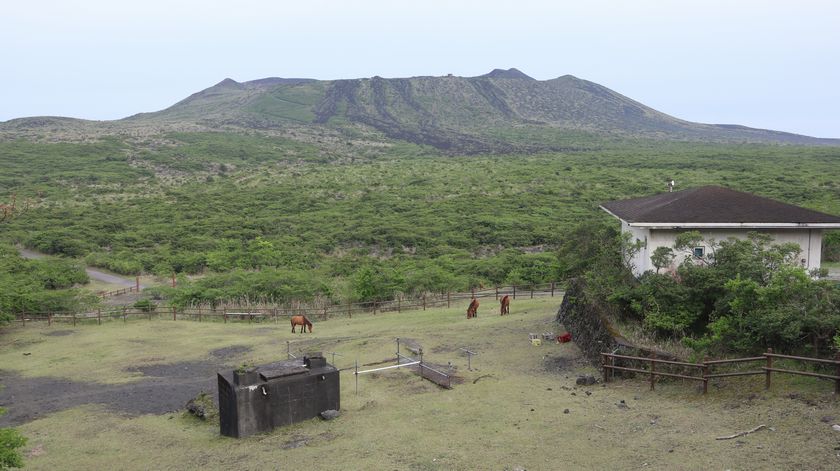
[(714, 206)]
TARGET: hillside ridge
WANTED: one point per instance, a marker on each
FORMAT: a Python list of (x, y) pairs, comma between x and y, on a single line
[(502, 111)]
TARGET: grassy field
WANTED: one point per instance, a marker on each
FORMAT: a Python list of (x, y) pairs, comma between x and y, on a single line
[(507, 412)]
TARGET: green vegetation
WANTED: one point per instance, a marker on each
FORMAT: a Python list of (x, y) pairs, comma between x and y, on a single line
[(262, 217), (45, 285), (748, 295), (10, 442)]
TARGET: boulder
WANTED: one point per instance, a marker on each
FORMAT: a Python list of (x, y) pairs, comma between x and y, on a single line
[(329, 414), (586, 380)]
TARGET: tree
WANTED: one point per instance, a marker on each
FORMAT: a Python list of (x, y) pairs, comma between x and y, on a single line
[(662, 257)]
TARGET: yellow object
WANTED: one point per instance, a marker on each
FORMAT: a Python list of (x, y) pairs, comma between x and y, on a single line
[(536, 342)]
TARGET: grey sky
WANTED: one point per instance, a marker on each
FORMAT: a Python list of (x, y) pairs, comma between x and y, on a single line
[(769, 64)]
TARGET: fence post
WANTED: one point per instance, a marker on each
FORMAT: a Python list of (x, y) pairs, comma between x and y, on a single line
[(124, 315), (174, 313), (652, 370), (705, 375), (604, 366), (74, 319), (399, 302), (349, 309), (552, 289), (447, 299), (837, 373), (532, 291), (421, 362), (514, 291), (769, 365), (99, 316), (374, 308), (497, 293), (224, 314), (398, 350), (325, 314), (23, 318), (49, 318), (473, 291), (199, 313), (356, 374), (424, 301)]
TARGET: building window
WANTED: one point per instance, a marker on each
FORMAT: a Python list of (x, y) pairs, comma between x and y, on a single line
[(699, 252)]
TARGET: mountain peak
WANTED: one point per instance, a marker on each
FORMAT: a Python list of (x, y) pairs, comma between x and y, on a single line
[(228, 83), (511, 73)]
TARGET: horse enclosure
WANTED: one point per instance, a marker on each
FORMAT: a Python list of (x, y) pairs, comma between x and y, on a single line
[(322, 311)]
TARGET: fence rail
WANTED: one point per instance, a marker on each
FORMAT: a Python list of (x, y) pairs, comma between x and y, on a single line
[(282, 312), (609, 367)]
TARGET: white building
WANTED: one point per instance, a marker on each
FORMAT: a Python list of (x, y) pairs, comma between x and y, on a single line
[(717, 213)]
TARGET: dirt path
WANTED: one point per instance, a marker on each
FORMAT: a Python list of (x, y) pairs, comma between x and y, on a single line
[(91, 272)]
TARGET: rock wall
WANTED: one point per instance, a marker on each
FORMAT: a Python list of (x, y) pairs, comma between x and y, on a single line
[(592, 331)]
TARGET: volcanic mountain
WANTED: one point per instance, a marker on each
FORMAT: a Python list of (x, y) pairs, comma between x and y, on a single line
[(499, 112)]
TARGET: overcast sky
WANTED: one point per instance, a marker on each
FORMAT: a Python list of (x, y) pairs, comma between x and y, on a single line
[(768, 64)]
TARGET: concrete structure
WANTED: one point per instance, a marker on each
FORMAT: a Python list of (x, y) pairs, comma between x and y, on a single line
[(276, 394), (717, 213)]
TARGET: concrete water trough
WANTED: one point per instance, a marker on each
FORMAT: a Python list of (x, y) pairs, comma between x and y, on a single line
[(260, 398)]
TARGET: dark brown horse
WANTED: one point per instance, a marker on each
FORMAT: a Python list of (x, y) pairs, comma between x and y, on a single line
[(505, 305), (303, 322), (472, 311)]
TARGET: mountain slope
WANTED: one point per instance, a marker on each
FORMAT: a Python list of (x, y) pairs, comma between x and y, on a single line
[(502, 111)]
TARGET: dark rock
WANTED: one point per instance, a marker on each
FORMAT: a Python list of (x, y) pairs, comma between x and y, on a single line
[(329, 414), (586, 380), (202, 406), (565, 411), (588, 393), (622, 405), (826, 419)]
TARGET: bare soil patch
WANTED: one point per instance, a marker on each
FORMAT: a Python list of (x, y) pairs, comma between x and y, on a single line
[(59, 333), (229, 352), (167, 388), (183, 369)]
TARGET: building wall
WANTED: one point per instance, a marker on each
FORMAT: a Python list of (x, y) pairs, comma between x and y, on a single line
[(809, 241)]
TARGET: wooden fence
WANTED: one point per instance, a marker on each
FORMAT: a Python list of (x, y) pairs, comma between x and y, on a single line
[(704, 369), (126, 290), (282, 313)]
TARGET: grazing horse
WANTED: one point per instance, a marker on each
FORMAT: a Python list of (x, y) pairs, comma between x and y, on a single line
[(472, 311), (303, 322), (505, 303)]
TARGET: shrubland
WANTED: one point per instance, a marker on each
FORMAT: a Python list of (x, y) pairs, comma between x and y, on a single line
[(262, 217)]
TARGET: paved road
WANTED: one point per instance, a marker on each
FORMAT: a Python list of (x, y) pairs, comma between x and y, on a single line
[(93, 273)]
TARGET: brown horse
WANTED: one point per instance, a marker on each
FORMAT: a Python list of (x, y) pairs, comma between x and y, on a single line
[(505, 303), (472, 311), (303, 322)]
